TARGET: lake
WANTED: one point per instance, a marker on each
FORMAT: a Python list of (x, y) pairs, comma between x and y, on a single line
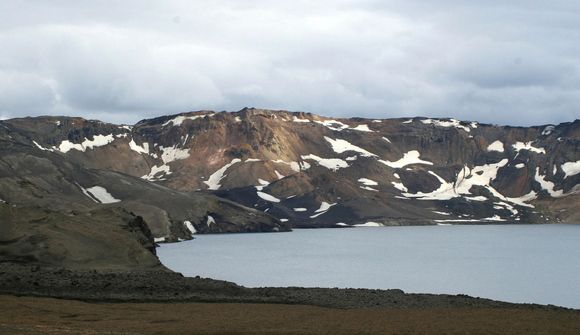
[(516, 263)]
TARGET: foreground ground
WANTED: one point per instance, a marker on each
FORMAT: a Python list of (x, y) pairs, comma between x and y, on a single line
[(27, 315)]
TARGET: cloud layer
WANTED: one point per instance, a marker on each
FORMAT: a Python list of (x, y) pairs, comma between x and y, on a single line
[(516, 63)]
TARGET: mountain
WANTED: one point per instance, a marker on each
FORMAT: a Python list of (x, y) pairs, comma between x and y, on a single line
[(264, 170)]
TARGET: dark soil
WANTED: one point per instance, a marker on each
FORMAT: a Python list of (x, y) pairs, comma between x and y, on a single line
[(26, 315)]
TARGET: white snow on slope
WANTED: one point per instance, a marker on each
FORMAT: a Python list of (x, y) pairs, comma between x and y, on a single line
[(368, 182), (171, 154), (548, 185), (155, 170), (137, 148), (295, 119), (102, 195), (386, 139), (399, 186), (278, 174), (213, 182), (446, 124), (368, 188), (324, 206), (548, 130), (520, 165), (329, 163), (466, 179), (411, 157), (97, 141), (528, 146), (267, 197), (41, 147), (210, 220), (369, 224), (333, 124), (496, 146), (177, 121), (571, 169), (293, 165), (190, 227), (441, 213), (339, 146), (363, 127), (299, 209)]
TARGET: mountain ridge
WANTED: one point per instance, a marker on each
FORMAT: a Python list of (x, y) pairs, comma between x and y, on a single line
[(308, 170)]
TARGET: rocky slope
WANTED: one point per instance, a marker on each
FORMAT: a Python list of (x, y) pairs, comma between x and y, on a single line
[(279, 168)]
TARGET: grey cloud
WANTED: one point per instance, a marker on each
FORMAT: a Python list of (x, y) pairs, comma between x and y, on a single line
[(481, 60)]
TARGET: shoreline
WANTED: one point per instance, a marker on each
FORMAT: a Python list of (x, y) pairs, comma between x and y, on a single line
[(163, 285)]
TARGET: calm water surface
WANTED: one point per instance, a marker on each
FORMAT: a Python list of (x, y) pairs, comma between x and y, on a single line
[(523, 263)]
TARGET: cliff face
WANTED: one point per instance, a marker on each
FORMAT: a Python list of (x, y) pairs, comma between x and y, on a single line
[(298, 168)]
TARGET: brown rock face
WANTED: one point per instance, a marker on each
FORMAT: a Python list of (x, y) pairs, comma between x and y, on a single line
[(279, 168)]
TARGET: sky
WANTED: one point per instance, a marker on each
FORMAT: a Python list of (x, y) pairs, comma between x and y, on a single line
[(511, 62)]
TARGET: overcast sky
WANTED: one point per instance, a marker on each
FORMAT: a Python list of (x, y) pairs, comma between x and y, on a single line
[(511, 62)]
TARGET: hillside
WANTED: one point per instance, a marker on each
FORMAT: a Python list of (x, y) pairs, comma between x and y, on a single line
[(263, 170)]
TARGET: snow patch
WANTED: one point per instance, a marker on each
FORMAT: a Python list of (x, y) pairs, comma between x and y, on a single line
[(496, 146), (520, 165), (278, 174), (369, 224), (386, 139), (330, 163), (333, 124), (368, 188), (97, 141), (548, 185), (528, 146), (190, 227), (299, 209), (447, 124), (368, 182), (411, 157), (399, 186), (267, 197), (41, 147), (293, 165), (363, 127), (324, 206), (139, 149), (441, 213), (101, 195), (210, 220), (177, 121), (295, 119), (173, 153), (339, 146), (155, 170), (548, 130), (571, 169), (214, 180)]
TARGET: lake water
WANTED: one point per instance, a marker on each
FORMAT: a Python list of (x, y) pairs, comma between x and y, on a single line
[(516, 263)]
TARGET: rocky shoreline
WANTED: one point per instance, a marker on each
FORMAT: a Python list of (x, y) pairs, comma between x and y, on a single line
[(161, 285)]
